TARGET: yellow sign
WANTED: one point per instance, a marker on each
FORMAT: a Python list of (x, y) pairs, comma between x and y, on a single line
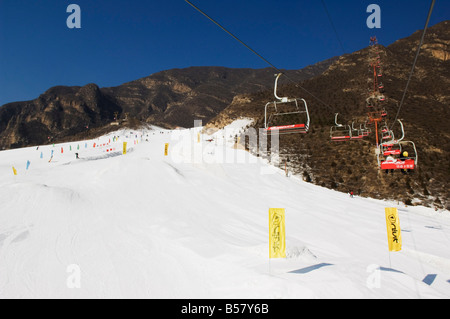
[(277, 233), (393, 229), (124, 148), (166, 149)]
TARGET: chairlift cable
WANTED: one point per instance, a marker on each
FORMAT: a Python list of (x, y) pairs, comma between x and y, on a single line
[(415, 61), (256, 53), (235, 37), (333, 26)]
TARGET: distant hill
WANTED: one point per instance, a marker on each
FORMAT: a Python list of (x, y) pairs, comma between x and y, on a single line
[(168, 99), (352, 166)]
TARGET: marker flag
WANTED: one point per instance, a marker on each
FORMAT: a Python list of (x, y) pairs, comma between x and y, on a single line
[(277, 233), (124, 148), (393, 229), (14, 171), (42, 155), (166, 149), (28, 165)]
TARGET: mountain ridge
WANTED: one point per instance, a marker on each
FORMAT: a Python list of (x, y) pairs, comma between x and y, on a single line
[(169, 99)]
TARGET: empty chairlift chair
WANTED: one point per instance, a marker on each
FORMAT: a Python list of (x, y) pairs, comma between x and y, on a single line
[(286, 115), (387, 136), (365, 131), (357, 134), (340, 132)]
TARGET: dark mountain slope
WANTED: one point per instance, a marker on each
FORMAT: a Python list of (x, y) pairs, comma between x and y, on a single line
[(169, 99)]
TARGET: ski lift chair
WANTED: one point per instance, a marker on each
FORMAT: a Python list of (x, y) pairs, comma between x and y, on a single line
[(286, 115), (391, 149), (340, 132), (365, 131), (388, 135), (356, 134), (409, 162), (398, 148)]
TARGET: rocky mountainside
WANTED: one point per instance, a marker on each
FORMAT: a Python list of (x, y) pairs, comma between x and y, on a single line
[(59, 112), (352, 165), (168, 99)]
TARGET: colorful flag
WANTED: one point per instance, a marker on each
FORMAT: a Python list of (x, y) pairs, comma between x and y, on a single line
[(393, 229), (124, 148), (14, 171), (277, 233), (28, 165)]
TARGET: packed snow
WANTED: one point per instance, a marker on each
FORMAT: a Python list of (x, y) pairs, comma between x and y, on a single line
[(194, 224)]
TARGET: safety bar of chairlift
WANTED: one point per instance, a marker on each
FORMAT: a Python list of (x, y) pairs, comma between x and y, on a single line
[(287, 113), (308, 119)]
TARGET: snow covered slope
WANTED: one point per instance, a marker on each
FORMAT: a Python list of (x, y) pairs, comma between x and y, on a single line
[(194, 224)]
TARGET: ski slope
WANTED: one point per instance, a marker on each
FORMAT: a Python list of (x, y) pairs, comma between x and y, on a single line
[(194, 224)]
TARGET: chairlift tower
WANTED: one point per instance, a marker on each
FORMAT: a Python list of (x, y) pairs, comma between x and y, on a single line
[(375, 97)]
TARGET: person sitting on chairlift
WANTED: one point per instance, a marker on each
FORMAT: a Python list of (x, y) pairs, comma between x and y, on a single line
[(392, 160), (404, 157)]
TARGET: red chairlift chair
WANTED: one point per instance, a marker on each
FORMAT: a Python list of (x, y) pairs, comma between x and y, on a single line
[(278, 121)]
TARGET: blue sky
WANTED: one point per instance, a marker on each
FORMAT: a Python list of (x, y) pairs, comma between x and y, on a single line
[(120, 41)]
